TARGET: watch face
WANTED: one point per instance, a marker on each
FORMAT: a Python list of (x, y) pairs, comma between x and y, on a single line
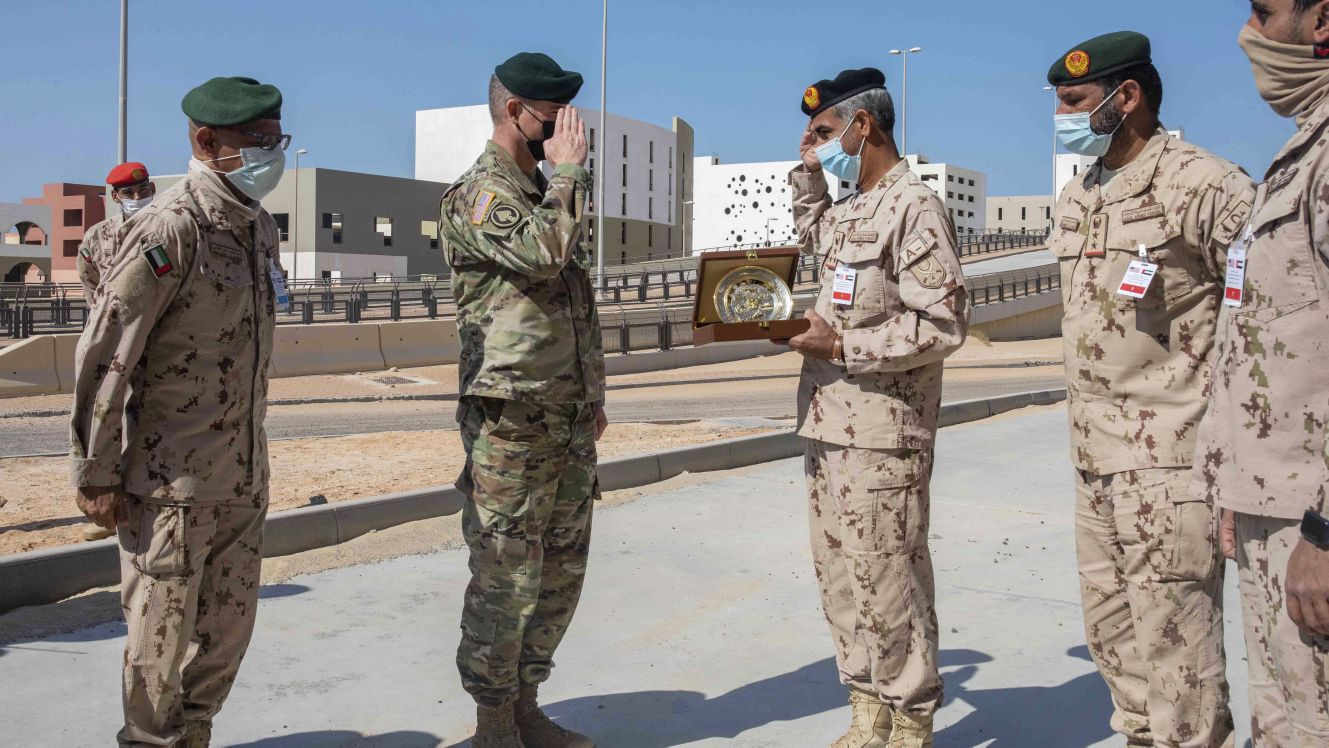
[(753, 294), (1315, 529)]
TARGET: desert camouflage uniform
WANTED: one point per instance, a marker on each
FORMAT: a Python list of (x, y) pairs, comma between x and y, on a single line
[(170, 396), (1137, 374), (1262, 448), (871, 424), (97, 252), (532, 372)]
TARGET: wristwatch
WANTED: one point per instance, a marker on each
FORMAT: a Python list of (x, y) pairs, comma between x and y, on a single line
[(837, 351), (1315, 529)]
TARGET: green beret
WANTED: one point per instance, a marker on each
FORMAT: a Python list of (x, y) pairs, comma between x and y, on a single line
[(224, 102), (825, 94), (1100, 57), (535, 76)]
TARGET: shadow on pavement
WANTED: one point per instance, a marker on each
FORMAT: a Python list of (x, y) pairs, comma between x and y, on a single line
[(1072, 715), (399, 739), (270, 591)]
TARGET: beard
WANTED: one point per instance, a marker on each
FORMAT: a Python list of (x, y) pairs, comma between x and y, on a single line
[(1109, 118)]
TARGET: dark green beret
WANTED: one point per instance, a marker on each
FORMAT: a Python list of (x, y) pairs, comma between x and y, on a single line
[(224, 102), (535, 76), (824, 94), (1100, 57)]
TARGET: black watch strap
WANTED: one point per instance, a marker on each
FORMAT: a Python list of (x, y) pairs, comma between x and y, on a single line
[(1315, 529)]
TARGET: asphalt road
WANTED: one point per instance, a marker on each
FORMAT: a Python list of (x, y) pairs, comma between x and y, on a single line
[(771, 397)]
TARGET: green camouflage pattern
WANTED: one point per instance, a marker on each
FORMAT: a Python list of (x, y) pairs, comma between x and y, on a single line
[(530, 480), (526, 309)]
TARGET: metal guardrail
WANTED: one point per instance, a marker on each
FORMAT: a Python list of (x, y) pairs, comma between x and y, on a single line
[(995, 288)]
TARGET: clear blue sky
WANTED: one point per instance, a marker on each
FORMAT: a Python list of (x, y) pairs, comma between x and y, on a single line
[(354, 73)]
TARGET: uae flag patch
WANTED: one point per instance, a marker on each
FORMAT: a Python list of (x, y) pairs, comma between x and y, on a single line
[(157, 259)]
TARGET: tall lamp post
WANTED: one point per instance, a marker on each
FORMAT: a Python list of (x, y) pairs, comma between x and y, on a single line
[(122, 150), (1056, 104), (295, 220), (600, 204), (904, 97)]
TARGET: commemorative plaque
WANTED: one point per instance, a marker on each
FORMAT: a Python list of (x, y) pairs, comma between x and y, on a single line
[(746, 295)]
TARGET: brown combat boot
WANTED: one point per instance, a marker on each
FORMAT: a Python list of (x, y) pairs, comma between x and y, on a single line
[(538, 730), (496, 728), (197, 735), (871, 722), (909, 732)]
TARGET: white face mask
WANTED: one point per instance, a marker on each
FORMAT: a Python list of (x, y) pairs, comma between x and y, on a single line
[(130, 206), (259, 173)]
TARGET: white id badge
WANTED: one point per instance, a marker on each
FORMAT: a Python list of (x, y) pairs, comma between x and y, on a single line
[(1139, 276), (1234, 289), (281, 299), (842, 292)]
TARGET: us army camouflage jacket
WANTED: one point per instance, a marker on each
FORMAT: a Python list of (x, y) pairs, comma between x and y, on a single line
[(96, 253), (1262, 443), (1138, 370), (171, 373), (909, 310), (520, 273)]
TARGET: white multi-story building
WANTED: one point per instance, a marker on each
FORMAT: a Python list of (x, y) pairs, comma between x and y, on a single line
[(647, 172), (746, 204), (964, 191)]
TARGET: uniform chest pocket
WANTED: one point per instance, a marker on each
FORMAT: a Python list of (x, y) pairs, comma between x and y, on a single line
[(1281, 264), (1163, 246), (865, 260), (227, 265)]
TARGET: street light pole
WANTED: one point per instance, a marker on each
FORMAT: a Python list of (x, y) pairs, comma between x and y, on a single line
[(600, 202), (1055, 105), (904, 97), (768, 230), (295, 220), (122, 151)]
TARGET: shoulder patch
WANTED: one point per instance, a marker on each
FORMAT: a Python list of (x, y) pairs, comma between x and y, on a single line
[(504, 216), (482, 206), (158, 260), (1233, 221)]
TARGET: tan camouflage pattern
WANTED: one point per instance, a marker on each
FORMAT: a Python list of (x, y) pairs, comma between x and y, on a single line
[(171, 372), (526, 309), (189, 588), (869, 513), (910, 311), (1137, 370), (1289, 668), (96, 254), (1262, 444), (1151, 583), (530, 481)]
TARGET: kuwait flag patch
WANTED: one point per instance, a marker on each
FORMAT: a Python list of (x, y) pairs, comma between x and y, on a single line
[(157, 259)]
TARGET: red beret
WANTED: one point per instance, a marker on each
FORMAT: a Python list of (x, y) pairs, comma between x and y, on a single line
[(126, 174)]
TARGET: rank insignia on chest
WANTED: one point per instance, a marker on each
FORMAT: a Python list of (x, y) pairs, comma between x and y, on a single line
[(1098, 226), (482, 206), (158, 260)]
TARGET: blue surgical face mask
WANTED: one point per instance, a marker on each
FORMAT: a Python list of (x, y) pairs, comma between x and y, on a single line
[(259, 173), (836, 161), (1076, 133)]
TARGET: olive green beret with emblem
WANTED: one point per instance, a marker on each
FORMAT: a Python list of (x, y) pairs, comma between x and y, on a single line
[(825, 94), (535, 76), (225, 102), (1100, 57)]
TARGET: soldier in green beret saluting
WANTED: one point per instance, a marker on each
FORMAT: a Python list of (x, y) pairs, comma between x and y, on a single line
[(532, 394)]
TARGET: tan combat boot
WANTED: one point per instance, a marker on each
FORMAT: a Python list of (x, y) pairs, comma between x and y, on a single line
[(538, 730), (496, 728), (908, 732), (197, 735), (871, 722)]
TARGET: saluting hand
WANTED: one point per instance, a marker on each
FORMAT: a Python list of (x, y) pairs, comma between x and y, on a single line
[(807, 150), (568, 146)]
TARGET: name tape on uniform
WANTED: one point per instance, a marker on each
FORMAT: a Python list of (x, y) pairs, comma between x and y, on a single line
[(842, 292)]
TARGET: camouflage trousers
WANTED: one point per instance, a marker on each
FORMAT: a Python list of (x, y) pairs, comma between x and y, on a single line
[(1151, 583), (189, 579), (869, 514), (1289, 669), (530, 477)]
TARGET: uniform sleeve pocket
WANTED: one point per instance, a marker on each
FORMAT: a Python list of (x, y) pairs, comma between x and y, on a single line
[(154, 537)]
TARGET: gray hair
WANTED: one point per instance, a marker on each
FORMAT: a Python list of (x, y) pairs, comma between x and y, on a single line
[(498, 99), (877, 103)]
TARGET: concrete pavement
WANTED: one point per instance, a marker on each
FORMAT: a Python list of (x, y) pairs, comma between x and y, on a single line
[(700, 626)]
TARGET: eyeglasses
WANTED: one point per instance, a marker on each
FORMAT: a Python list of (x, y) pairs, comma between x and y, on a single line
[(266, 141)]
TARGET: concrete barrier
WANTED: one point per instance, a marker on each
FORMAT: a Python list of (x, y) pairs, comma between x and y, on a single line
[(427, 342), (51, 574), (299, 350), (717, 353), (28, 368), (64, 360)]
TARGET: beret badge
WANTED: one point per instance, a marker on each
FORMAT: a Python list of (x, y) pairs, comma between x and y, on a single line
[(812, 97), (1077, 63)]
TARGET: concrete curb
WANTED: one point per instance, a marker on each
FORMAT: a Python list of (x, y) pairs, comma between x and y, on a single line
[(50, 574)]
